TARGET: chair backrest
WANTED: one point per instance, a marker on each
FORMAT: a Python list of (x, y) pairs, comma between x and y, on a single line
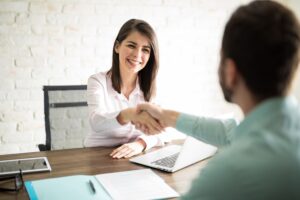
[(66, 117)]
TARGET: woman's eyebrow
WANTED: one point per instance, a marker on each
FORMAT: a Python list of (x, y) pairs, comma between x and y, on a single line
[(131, 42), (145, 46)]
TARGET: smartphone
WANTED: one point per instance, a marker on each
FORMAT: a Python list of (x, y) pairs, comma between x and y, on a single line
[(27, 165)]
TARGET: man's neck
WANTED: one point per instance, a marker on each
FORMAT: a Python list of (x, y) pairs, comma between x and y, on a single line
[(246, 100)]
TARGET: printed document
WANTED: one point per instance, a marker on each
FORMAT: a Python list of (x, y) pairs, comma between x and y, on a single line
[(136, 185)]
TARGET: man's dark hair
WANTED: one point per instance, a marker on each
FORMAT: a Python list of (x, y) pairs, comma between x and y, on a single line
[(263, 39)]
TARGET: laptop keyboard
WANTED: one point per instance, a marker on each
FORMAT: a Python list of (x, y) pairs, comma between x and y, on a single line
[(168, 161)]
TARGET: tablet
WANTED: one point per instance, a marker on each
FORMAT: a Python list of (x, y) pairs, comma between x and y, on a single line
[(27, 165)]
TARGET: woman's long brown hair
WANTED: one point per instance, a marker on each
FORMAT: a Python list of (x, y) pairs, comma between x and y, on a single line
[(147, 76)]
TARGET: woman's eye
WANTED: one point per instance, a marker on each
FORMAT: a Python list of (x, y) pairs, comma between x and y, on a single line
[(146, 50)]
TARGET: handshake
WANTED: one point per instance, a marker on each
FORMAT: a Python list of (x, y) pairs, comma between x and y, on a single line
[(149, 118)]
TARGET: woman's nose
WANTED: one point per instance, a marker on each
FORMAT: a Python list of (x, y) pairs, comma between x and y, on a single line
[(137, 52)]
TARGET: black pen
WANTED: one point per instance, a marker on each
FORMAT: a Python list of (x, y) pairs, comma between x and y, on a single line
[(92, 186)]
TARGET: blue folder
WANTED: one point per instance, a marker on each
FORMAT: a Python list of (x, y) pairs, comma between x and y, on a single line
[(65, 188)]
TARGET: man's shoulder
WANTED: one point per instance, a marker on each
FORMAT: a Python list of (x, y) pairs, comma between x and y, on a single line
[(266, 156), (248, 167)]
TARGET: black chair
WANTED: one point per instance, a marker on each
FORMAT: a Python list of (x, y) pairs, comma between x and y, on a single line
[(66, 117)]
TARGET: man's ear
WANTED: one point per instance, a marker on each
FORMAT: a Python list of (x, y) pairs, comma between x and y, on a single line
[(230, 73), (117, 46)]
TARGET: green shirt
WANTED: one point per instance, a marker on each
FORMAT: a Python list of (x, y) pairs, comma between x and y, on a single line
[(258, 159)]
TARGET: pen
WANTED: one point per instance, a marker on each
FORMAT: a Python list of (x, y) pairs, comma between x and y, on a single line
[(92, 186)]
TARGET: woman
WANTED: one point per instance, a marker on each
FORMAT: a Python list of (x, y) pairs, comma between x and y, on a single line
[(114, 95)]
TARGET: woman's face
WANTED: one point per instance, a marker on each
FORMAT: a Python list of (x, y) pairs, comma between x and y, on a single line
[(134, 52)]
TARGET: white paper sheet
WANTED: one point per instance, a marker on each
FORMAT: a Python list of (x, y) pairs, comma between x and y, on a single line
[(136, 185)]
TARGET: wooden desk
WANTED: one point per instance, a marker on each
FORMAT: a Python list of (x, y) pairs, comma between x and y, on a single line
[(92, 161)]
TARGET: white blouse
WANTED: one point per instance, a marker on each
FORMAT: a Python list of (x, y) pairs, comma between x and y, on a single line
[(104, 105)]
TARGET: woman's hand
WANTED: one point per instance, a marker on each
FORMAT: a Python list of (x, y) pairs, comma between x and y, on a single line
[(150, 125), (128, 150)]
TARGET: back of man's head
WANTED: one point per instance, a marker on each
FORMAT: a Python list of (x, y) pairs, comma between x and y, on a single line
[(263, 39)]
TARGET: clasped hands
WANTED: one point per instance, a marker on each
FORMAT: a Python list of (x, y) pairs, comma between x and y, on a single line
[(147, 118), (162, 118), (150, 119)]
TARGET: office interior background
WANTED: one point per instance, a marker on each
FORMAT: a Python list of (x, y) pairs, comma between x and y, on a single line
[(63, 42)]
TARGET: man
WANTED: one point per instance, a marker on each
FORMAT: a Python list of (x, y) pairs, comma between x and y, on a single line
[(260, 157)]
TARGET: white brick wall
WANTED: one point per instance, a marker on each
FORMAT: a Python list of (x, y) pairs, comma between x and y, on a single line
[(64, 41)]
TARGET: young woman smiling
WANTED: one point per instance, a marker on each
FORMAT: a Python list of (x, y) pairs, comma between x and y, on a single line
[(114, 95)]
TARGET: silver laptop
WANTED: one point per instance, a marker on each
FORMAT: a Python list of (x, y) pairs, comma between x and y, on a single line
[(175, 157)]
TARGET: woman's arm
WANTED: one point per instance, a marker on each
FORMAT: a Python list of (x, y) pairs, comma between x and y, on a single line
[(142, 143), (100, 117)]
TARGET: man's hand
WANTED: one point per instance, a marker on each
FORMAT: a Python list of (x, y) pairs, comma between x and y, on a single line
[(128, 150)]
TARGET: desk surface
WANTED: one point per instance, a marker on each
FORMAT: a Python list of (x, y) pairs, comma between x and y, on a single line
[(92, 161)]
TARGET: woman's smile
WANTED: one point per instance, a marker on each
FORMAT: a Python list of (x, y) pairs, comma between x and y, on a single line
[(134, 62)]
